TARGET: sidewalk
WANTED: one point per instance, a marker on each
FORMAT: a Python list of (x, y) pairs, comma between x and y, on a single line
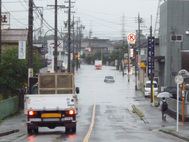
[(12, 125), (152, 115)]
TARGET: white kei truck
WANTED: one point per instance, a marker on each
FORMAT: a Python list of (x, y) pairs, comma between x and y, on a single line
[(55, 103)]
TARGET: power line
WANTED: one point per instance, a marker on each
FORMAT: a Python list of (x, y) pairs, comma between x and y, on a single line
[(14, 17)]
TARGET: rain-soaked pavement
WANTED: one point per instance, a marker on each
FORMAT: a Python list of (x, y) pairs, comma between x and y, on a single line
[(113, 117)]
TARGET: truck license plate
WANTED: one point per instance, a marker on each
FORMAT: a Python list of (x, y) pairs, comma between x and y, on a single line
[(50, 115)]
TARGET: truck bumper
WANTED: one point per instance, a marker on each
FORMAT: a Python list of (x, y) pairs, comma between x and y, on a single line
[(51, 124)]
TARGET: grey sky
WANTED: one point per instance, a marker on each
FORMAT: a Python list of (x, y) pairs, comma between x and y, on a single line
[(103, 17)]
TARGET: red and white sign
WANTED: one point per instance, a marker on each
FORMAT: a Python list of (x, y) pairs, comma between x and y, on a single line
[(131, 53), (131, 38)]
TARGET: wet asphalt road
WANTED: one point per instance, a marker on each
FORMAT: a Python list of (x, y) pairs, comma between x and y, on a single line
[(113, 121)]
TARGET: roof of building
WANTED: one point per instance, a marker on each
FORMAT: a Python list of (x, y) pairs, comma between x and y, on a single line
[(14, 35)]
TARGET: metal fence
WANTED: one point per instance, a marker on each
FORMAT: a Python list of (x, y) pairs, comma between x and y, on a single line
[(8, 107)]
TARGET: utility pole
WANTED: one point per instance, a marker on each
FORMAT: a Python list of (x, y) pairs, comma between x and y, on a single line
[(0, 28), (73, 64), (69, 35), (128, 62), (80, 37), (55, 33), (77, 45), (151, 59), (123, 36), (139, 21), (55, 37), (135, 69), (30, 42)]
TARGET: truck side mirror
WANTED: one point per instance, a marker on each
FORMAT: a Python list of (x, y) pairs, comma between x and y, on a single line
[(77, 90)]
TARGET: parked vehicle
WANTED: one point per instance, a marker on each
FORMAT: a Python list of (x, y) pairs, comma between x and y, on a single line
[(98, 64), (56, 103), (147, 88), (109, 79)]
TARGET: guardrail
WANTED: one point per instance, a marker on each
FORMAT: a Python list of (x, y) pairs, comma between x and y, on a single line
[(8, 107)]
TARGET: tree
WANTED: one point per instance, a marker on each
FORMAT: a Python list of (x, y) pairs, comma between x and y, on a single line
[(14, 71)]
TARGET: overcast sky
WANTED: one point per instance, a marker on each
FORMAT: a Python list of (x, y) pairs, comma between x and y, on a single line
[(103, 17)]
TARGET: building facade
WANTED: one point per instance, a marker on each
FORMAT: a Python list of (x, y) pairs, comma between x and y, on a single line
[(174, 40)]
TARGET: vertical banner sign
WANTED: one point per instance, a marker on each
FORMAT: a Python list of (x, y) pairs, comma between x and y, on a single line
[(131, 53), (150, 52), (22, 50)]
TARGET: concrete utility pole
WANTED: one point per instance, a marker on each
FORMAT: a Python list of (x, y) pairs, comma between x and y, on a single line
[(69, 34), (56, 33), (151, 59), (128, 62), (55, 37), (30, 41), (77, 45), (123, 36), (139, 21), (0, 28), (135, 70), (80, 38), (73, 64)]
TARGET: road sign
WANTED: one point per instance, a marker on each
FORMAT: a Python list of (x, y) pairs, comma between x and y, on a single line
[(179, 79), (151, 45), (131, 38)]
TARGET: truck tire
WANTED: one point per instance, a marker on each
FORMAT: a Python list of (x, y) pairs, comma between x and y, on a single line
[(67, 130), (74, 130), (29, 130), (36, 130)]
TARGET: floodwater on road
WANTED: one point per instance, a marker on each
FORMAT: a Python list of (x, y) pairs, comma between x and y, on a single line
[(104, 115)]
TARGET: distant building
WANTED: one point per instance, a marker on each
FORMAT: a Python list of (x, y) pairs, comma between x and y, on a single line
[(94, 45), (13, 36)]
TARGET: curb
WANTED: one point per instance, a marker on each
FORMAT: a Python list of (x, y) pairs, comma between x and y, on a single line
[(139, 113), (174, 134), (8, 132)]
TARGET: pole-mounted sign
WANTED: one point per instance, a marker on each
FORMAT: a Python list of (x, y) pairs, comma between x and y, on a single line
[(131, 38), (151, 53), (179, 80)]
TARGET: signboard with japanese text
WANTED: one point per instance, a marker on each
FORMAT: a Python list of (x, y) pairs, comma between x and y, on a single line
[(131, 52), (5, 18), (151, 45), (22, 50)]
